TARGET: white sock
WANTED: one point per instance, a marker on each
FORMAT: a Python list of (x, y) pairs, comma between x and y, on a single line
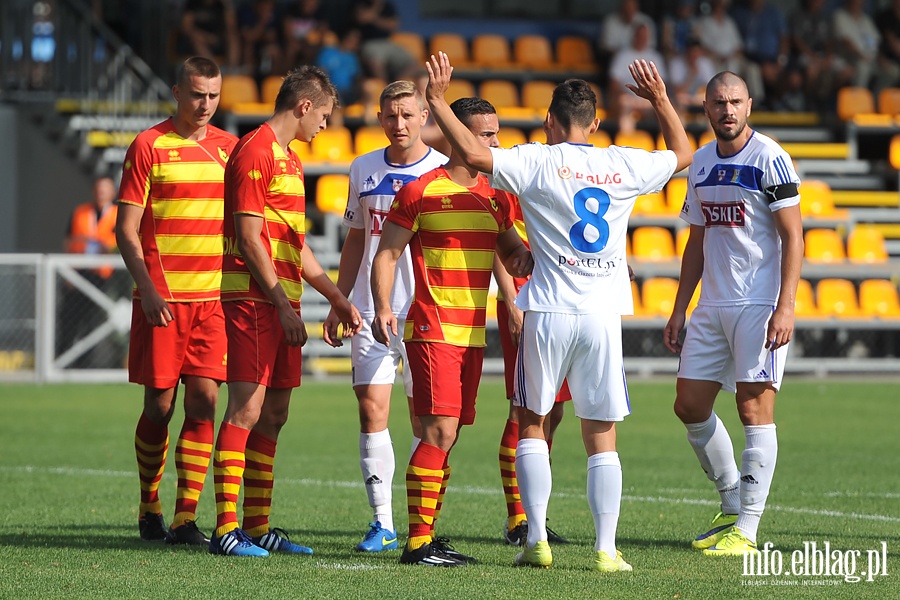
[(604, 492), (535, 484), (757, 469), (712, 445), (376, 459)]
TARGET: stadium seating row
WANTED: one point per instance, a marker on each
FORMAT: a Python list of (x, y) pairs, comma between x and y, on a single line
[(877, 298), (859, 102)]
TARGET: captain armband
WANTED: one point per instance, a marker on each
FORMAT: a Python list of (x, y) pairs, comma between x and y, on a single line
[(781, 192)]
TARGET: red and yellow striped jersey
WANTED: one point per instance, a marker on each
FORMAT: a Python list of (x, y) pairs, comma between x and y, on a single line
[(456, 231), (179, 184), (263, 180), (519, 224)]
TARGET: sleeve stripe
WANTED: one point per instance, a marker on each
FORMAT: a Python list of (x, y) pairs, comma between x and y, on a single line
[(782, 170)]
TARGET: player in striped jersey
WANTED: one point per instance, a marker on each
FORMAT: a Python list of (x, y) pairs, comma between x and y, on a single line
[(265, 258), (375, 179), (576, 200), (169, 230), (746, 246), (452, 222)]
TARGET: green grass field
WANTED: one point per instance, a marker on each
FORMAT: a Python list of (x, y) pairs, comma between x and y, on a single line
[(68, 503)]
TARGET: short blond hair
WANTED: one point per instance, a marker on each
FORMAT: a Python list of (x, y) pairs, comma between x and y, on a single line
[(401, 89)]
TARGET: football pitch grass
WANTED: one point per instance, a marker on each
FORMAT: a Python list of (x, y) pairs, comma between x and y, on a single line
[(69, 492)]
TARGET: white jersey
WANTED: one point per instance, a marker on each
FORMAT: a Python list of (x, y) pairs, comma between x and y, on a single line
[(734, 198), (373, 184), (576, 200)]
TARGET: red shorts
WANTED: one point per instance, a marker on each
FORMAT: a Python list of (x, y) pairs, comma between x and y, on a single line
[(258, 351), (194, 344), (510, 351), (445, 379)]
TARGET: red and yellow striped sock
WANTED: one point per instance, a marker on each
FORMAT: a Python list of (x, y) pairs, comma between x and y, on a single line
[(440, 500), (151, 442), (514, 511), (258, 480), (228, 470), (192, 454), (423, 486)]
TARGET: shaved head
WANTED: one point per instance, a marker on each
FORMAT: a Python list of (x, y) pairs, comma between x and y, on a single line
[(726, 79)]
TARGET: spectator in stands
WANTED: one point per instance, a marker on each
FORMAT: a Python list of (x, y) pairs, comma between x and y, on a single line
[(722, 40), (303, 27), (858, 41), (92, 227), (678, 28), (619, 27), (260, 38), (689, 72), (383, 59), (764, 30), (623, 103), (209, 28), (339, 57), (812, 36), (889, 25)]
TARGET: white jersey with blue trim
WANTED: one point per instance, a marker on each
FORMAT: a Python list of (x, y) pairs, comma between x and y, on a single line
[(576, 200), (373, 184), (734, 198)]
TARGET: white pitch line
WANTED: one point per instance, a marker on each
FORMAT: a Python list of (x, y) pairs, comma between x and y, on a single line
[(480, 491)]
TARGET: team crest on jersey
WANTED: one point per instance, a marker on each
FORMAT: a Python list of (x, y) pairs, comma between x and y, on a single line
[(564, 172), (723, 175), (397, 184), (223, 155), (254, 174), (494, 204), (283, 166), (369, 183)]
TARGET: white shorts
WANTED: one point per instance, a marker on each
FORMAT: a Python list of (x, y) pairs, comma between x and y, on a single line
[(586, 350), (728, 345), (375, 363)]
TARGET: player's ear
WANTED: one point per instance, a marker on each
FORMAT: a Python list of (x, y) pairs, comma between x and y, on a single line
[(303, 107), (176, 93), (749, 106), (594, 126)]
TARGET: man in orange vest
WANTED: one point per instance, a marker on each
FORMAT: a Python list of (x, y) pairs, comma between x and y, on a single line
[(92, 228)]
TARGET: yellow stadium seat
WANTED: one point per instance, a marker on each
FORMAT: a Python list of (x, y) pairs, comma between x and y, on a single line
[(237, 89), (837, 298), (302, 149), (636, 139), (533, 51), (661, 143), (889, 101), (501, 93), (270, 87), (368, 138), (459, 88), (706, 137), (804, 301), (334, 144), (574, 52), (681, 239), (878, 298), (599, 95), (600, 139), (695, 299), (816, 200), (676, 192), (650, 204), (894, 153), (853, 101), (491, 51), (824, 246), (538, 135), (636, 297), (866, 245), (658, 296), (652, 243), (331, 193), (537, 94), (453, 45), (411, 42), (511, 136)]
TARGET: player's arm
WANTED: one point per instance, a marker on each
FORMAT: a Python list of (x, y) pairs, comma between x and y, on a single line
[(128, 223), (394, 240), (507, 288), (651, 86), (460, 137), (351, 259), (790, 228), (691, 271), (514, 254), (248, 230), (346, 313)]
